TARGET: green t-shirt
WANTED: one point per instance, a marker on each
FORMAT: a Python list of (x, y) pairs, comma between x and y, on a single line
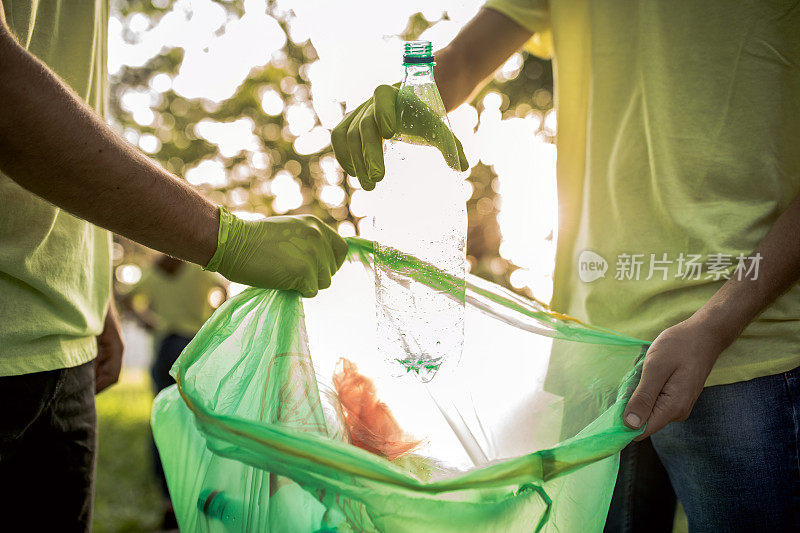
[(678, 134), (54, 268), (180, 301)]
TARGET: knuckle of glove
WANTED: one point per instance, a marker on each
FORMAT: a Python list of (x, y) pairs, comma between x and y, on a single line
[(303, 274)]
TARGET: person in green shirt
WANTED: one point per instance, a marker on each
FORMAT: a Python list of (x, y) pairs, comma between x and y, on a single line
[(679, 170), (174, 297), (65, 179)]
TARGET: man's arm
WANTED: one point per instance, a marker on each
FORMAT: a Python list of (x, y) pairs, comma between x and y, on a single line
[(680, 359), (52, 144), (479, 49)]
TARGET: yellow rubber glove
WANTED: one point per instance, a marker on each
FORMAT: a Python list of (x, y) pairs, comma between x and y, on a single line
[(358, 140), (298, 253)]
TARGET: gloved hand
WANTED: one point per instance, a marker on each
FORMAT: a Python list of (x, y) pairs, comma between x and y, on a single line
[(358, 140), (284, 252)]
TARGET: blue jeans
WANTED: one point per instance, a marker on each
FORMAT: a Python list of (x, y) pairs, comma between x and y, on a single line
[(734, 463), (643, 499)]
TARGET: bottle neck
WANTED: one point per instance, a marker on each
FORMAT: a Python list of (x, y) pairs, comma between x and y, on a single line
[(418, 74)]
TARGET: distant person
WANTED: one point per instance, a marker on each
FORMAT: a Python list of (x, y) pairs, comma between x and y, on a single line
[(64, 175), (172, 300)]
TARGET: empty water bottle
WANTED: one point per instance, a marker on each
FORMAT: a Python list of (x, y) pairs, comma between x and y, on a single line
[(420, 209)]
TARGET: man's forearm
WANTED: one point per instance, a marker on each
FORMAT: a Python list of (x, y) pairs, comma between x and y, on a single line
[(481, 46), (52, 144), (739, 301)]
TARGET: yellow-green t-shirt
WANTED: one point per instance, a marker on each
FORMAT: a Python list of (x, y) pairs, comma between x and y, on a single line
[(678, 133), (180, 300), (54, 268)]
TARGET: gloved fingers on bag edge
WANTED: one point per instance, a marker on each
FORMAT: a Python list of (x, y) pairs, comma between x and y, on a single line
[(324, 276), (326, 264), (335, 246), (338, 245), (328, 259), (308, 286)]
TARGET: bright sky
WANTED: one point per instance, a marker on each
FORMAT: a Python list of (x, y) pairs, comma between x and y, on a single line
[(358, 48)]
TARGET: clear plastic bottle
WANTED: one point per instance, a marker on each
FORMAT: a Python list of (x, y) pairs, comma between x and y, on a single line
[(420, 209)]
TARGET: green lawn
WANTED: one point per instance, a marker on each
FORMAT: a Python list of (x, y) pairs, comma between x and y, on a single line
[(127, 498)]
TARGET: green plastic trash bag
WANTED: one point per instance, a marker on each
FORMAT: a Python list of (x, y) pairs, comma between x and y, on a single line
[(522, 434)]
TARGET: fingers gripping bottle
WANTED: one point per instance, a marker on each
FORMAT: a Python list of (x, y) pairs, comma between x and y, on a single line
[(421, 211)]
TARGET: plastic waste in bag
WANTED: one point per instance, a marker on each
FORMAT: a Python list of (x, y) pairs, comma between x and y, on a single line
[(284, 419), (418, 326)]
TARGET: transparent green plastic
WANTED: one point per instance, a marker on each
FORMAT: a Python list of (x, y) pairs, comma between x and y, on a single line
[(522, 435)]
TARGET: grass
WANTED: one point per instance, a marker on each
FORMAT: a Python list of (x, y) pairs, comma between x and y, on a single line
[(127, 497)]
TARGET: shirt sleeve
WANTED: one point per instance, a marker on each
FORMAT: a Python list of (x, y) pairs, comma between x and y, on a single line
[(533, 15)]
